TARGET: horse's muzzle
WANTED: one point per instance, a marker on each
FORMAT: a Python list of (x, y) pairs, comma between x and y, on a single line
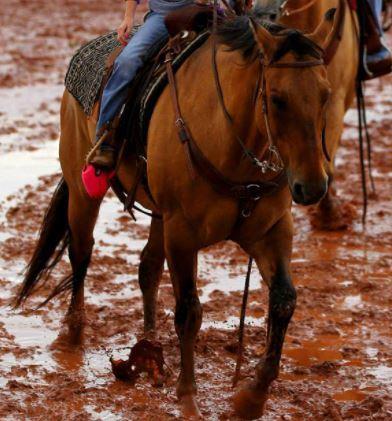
[(308, 193)]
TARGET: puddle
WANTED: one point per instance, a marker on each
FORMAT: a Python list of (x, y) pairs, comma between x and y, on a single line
[(350, 395), (383, 373), (21, 168), (314, 352), (29, 331)]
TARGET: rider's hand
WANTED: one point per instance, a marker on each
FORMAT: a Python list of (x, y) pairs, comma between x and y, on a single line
[(124, 30)]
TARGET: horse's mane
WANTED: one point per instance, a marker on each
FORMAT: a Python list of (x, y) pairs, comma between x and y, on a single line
[(238, 36)]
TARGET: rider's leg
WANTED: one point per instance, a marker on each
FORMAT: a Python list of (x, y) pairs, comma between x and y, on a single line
[(376, 6), (126, 66), (378, 59)]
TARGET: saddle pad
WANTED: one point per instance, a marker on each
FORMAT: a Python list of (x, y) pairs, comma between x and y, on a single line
[(88, 67)]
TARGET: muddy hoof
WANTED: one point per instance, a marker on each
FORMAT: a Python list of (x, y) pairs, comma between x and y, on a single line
[(67, 340), (190, 408), (335, 216), (75, 323), (249, 402)]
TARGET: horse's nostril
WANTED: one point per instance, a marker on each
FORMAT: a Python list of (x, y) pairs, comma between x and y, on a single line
[(298, 190)]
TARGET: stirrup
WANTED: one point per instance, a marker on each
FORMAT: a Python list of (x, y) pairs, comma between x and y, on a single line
[(104, 159), (96, 146)]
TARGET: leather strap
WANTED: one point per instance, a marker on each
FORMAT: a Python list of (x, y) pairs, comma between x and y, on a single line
[(336, 37), (244, 192), (182, 129)]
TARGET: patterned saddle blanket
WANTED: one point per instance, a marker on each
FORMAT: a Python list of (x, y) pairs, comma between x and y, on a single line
[(89, 68)]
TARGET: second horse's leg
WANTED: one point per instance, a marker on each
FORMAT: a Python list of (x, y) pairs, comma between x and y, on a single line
[(272, 255)]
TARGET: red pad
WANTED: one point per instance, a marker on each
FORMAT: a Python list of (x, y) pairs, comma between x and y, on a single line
[(96, 181), (353, 4)]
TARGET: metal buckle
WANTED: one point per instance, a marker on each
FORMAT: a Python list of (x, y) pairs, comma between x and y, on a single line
[(179, 122), (273, 162), (254, 191), (246, 213)]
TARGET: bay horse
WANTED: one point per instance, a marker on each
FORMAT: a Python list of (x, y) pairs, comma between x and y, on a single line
[(275, 87), (304, 15)]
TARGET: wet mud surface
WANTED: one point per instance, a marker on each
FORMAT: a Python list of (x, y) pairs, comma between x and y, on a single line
[(337, 360)]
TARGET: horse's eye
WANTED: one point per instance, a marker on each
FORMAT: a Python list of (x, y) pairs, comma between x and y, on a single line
[(278, 102)]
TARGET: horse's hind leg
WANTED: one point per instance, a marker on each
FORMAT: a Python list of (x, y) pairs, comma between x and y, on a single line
[(150, 272), (272, 255), (82, 216)]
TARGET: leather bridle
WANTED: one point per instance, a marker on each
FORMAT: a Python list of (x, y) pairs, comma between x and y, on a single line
[(249, 193), (272, 149), (270, 158)]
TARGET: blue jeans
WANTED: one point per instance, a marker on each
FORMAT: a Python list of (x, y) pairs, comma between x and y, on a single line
[(376, 6), (128, 63)]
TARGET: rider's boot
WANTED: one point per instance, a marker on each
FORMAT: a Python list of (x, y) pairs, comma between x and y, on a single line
[(377, 60), (105, 156)]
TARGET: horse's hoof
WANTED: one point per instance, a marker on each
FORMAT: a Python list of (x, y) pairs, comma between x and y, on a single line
[(75, 323), (249, 402), (67, 340), (190, 408)]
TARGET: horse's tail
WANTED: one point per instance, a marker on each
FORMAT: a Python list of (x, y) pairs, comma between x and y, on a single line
[(53, 241)]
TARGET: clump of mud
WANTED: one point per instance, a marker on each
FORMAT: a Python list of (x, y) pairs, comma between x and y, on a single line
[(145, 357)]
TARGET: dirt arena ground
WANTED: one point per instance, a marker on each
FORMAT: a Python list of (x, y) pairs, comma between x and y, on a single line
[(337, 360)]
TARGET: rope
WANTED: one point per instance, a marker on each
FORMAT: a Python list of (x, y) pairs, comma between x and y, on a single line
[(240, 349), (96, 146)]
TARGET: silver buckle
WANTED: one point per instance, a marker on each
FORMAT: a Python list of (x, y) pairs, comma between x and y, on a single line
[(257, 187)]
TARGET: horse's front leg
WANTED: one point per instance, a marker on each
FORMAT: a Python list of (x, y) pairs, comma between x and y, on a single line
[(182, 261), (272, 255)]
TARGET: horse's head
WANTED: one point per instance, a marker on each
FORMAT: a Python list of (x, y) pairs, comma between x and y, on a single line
[(293, 104)]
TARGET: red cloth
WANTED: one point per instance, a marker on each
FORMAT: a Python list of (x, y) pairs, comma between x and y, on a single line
[(352, 4), (96, 182)]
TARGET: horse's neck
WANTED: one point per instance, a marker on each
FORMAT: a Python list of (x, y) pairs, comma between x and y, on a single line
[(211, 130)]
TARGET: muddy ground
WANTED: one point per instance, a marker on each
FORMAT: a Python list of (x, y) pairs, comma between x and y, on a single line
[(337, 361)]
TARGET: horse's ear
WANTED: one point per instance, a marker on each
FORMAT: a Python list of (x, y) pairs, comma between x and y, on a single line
[(267, 43), (321, 34)]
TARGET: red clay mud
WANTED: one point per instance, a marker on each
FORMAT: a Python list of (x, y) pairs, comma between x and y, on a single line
[(337, 360), (145, 357)]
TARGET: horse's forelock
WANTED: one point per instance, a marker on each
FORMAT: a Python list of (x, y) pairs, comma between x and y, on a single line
[(298, 43)]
